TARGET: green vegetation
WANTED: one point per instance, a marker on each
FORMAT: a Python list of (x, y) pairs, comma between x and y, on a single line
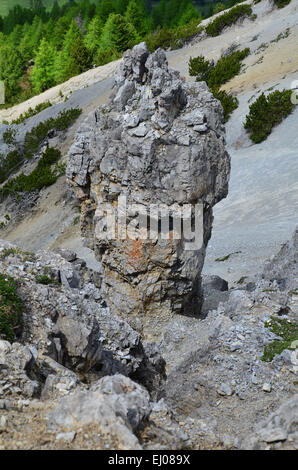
[(266, 112), (36, 136), (227, 19), (225, 258), (282, 35), (41, 47), (51, 41), (241, 280), (10, 308), (173, 38), (229, 102), (281, 3), (216, 75), (42, 176), (31, 112), (45, 280), (34, 139), (9, 136), (287, 331)]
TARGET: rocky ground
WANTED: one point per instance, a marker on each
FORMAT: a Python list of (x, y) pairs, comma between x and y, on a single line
[(79, 377)]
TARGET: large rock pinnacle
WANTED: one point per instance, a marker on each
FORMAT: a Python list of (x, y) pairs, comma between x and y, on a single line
[(160, 144)]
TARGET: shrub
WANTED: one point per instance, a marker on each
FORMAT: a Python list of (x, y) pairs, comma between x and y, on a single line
[(186, 32), (173, 38), (199, 67), (9, 136), (10, 307), (216, 75), (41, 177), (267, 112), (32, 112), (10, 163), (36, 136), (160, 38), (227, 19), (229, 102), (226, 68), (281, 3), (34, 139)]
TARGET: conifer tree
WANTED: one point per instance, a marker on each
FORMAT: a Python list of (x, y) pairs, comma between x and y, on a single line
[(92, 37), (136, 15), (64, 62), (118, 34), (43, 74), (81, 58)]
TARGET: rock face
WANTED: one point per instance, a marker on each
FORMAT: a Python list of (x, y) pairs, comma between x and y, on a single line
[(160, 141)]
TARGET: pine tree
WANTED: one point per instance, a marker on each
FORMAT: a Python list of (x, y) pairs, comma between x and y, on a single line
[(137, 15), (118, 34), (43, 73), (55, 12), (92, 37), (186, 14), (159, 13), (104, 9), (81, 58), (11, 70), (63, 63)]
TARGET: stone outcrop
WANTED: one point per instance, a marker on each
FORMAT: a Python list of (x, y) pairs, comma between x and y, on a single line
[(68, 330), (158, 141)]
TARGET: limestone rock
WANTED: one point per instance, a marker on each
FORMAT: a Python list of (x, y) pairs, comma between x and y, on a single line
[(283, 268), (68, 332), (280, 426), (158, 141), (115, 404)]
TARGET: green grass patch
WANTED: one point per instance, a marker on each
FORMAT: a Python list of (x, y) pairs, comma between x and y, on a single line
[(47, 278), (10, 308), (266, 112), (287, 331)]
